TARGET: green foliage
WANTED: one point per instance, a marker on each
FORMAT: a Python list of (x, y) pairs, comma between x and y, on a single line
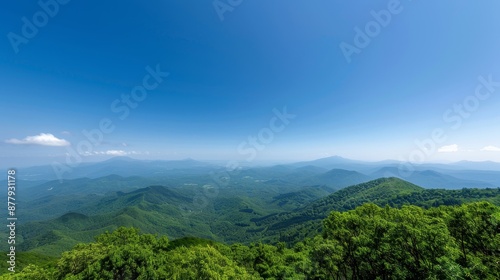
[(24, 259), (241, 213), (201, 262), (190, 242), (292, 227), (458, 242), (404, 232), (122, 254), (32, 272), (475, 228), (368, 242), (127, 254)]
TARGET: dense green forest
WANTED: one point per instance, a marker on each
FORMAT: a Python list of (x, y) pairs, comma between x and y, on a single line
[(368, 242), (386, 228), (293, 226), (238, 214)]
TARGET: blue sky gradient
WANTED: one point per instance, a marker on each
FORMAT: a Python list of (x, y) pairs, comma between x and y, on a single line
[(227, 76)]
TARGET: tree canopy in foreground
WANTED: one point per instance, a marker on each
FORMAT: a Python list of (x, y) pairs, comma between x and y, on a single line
[(369, 242)]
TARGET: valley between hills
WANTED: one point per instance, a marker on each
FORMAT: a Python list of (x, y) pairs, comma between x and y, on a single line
[(199, 204)]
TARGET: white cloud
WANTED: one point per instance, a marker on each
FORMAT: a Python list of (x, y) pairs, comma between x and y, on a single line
[(111, 153), (449, 149), (44, 139), (491, 149), (116, 153)]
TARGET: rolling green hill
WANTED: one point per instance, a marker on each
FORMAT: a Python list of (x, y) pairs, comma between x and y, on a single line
[(233, 215), (306, 222), (368, 242), (337, 178)]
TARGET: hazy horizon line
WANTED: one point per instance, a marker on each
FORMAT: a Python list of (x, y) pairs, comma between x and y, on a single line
[(262, 161)]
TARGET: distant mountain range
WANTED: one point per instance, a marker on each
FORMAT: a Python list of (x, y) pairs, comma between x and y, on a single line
[(324, 171), (364, 166), (123, 166), (434, 179), (337, 178)]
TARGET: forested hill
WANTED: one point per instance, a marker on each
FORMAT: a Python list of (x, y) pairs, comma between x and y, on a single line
[(232, 216), (293, 226), (369, 242)]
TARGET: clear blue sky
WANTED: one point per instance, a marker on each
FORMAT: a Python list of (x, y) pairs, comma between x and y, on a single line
[(227, 76)]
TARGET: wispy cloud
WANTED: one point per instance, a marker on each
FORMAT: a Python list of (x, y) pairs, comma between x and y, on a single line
[(448, 149), (491, 148), (112, 153), (115, 153), (44, 139)]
